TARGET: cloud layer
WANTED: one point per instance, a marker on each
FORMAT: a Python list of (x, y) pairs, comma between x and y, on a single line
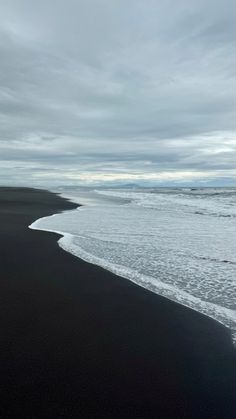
[(103, 90)]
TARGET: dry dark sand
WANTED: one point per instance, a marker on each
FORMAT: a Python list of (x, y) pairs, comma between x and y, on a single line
[(80, 342)]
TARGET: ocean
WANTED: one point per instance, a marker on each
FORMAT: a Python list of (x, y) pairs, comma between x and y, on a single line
[(177, 242)]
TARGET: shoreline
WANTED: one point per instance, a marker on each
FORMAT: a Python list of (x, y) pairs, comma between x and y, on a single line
[(78, 341), (222, 315)]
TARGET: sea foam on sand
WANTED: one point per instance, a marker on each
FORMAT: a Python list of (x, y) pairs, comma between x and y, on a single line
[(179, 244)]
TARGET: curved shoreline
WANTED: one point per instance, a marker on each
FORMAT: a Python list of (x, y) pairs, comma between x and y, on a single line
[(78, 341), (225, 316)]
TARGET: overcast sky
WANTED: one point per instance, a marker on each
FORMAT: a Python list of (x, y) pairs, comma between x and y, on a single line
[(117, 90)]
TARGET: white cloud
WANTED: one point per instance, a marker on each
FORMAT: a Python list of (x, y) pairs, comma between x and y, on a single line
[(102, 87)]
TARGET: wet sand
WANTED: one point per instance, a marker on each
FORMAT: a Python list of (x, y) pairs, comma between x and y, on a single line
[(77, 341)]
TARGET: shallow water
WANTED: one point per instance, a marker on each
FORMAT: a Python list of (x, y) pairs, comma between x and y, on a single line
[(179, 243)]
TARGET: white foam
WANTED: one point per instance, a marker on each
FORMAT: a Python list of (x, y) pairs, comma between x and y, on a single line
[(167, 249)]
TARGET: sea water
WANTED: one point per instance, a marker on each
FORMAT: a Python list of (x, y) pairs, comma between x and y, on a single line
[(178, 243)]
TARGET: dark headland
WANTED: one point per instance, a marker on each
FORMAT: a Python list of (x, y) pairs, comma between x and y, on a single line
[(77, 341)]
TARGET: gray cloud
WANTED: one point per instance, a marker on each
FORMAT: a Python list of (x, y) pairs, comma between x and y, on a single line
[(142, 89)]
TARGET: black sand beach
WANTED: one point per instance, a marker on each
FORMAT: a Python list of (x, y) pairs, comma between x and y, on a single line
[(80, 342)]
